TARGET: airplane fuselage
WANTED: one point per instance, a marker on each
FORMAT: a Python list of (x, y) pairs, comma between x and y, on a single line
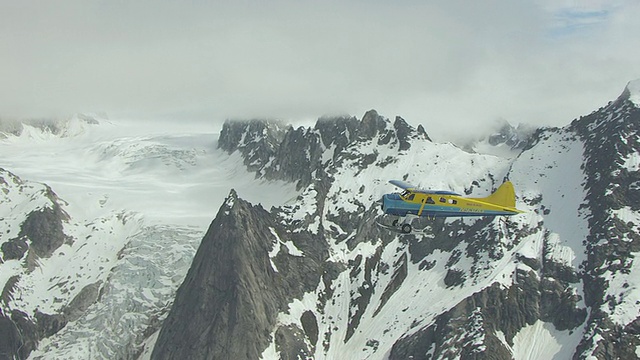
[(440, 204)]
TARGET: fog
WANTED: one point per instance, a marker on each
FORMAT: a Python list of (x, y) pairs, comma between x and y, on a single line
[(449, 66)]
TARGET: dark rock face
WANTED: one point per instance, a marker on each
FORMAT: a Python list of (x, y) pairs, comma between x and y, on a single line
[(14, 249), (310, 326), (233, 292), (81, 302), (10, 342), (18, 335), (43, 229)]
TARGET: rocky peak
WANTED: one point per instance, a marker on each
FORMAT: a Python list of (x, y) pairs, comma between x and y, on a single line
[(372, 124), (246, 270), (257, 140), (338, 131), (404, 132), (237, 134)]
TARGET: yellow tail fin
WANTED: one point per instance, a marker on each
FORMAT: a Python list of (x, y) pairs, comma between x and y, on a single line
[(505, 195)]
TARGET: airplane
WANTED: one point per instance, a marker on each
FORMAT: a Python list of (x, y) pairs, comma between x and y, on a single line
[(414, 202)]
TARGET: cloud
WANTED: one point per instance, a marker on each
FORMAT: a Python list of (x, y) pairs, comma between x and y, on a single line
[(447, 65)]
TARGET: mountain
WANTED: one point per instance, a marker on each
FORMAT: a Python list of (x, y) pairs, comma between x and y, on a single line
[(47, 128), (502, 139), (108, 248), (558, 281)]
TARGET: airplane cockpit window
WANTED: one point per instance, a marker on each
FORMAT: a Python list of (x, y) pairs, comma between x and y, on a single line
[(430, 200), (407, 195), (451, 201), (443, 200)]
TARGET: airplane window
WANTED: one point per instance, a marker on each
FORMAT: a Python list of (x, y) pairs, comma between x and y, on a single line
[(451, 201), (411, 197), (430, 200), (443, 200)]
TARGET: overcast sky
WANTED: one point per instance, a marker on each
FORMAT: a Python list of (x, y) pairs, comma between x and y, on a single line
[(441, 64)]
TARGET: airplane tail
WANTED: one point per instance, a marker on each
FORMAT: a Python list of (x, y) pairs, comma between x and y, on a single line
[(505, 196)]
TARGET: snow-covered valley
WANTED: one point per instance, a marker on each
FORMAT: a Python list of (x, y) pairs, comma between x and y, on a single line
[(138, 203)]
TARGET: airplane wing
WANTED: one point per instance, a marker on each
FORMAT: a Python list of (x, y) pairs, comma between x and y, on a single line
[(407, 186), (403, 185)]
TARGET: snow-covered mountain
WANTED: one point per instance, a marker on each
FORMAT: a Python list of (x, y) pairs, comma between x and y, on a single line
[(293, 264), (319, 279)]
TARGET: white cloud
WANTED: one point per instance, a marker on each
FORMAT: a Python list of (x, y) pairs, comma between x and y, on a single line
[(443, 65)]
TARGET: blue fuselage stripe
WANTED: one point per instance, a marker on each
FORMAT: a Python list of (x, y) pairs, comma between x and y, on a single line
[(394, 205)]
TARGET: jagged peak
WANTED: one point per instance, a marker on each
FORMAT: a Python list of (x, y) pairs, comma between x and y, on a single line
[(231, 200), (404, 131), (371, 124), (274, 151), (237, 133)]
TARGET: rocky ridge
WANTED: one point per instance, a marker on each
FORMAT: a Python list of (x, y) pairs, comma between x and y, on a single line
[(612, 143), (275, 151)]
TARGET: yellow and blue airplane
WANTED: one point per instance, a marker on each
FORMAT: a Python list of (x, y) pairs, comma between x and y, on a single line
[(414, 202)]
